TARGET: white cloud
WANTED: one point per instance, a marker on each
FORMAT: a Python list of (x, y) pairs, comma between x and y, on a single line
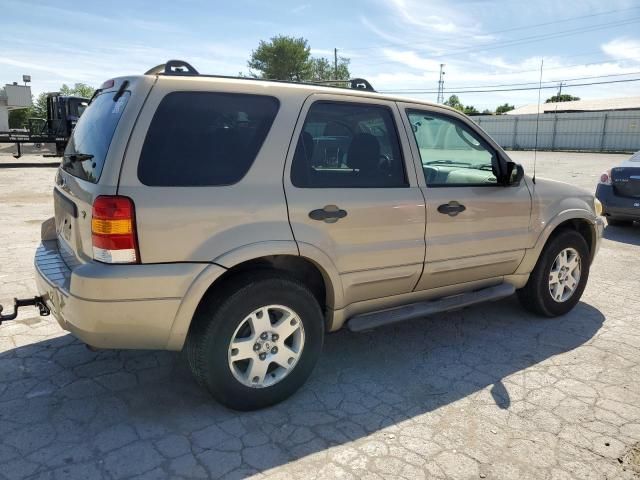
[(623, 49)]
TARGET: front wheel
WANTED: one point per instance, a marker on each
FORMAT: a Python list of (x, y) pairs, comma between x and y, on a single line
[(560, 276), (256, 340)]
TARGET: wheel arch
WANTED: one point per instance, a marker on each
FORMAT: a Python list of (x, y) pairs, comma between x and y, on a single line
[(578, 220), (323, 284)]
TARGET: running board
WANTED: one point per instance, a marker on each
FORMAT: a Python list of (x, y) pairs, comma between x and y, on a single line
[(368, 321)]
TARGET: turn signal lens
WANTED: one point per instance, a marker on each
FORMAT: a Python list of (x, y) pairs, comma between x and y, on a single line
[(113, 230)]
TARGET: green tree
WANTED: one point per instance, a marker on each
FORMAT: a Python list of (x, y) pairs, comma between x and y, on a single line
[(470, 110), (504, 108), (289, 58), (282, 58), (454, 102), (39, 107), (565, 97), (78, 90), (18, 118), (322, 69)]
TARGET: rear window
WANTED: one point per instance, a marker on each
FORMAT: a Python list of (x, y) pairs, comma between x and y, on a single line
[(89, 143), (204, 138)]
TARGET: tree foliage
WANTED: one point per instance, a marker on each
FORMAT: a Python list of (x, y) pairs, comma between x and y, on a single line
[(289, 58), (78, 90), (454, 102), (565, 97), (504, 108)]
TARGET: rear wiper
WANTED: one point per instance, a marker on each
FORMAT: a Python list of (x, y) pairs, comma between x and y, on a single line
[(78, 157)]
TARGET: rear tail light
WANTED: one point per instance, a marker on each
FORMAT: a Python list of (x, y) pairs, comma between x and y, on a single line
[(113, 230), (605, 178)]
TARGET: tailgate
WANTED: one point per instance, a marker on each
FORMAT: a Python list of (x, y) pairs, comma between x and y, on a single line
[(92, 160)]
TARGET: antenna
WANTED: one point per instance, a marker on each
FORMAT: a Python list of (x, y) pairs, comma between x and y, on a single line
[(535, 147)]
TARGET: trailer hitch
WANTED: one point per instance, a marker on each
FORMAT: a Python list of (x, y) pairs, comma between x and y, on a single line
[(25, 302)]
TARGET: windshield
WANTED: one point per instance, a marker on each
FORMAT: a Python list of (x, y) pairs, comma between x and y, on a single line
[(87, 149)]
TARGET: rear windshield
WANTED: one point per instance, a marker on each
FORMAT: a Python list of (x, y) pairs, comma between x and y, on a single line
[(87, 149)]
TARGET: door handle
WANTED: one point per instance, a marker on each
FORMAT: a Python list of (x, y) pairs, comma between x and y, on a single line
[(452, 208), (328, 214)]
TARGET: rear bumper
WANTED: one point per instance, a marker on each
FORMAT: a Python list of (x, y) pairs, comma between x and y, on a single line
[(113, 306), (616, 206)]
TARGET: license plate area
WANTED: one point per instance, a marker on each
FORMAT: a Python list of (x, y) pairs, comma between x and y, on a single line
[(66, 213)]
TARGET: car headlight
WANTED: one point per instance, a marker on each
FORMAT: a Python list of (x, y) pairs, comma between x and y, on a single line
[(597, 206)]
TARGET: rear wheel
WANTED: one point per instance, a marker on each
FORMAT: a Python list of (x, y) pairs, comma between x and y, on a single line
[(256, 341), (560, 276), (617, 222)]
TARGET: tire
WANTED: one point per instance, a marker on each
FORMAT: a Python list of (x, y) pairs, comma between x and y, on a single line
[(536, 295), (616, 222), (225, 314)]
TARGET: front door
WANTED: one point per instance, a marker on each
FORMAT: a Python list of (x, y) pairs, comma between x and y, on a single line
[(352, 193), (476, 229)]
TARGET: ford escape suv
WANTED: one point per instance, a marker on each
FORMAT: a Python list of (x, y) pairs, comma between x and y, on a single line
[(242, 219)]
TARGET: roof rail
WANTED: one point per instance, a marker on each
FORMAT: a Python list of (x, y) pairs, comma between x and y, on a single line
[(180, 67)]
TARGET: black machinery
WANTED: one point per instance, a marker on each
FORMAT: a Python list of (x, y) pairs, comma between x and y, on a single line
[(63, 113)]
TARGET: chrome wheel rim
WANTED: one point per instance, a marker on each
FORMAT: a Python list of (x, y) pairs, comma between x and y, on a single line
[(266, 346), (564, 276)]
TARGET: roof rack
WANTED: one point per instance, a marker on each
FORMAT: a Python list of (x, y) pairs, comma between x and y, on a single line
[(173, 67), (182, 68)]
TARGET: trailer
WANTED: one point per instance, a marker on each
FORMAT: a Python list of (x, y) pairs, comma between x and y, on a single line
[(63, 113)]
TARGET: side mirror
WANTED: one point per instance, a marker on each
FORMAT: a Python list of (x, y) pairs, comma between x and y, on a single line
[(514, 175)]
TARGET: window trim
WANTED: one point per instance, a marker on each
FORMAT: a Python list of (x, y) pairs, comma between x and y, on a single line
[(296, 139), (496, 157), (217, 92)]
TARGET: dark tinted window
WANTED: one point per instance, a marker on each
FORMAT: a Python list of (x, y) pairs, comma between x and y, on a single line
[(92, 136), (204, 138), (348, 145)]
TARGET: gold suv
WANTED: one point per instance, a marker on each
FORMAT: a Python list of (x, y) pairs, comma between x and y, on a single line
[(242, 219)]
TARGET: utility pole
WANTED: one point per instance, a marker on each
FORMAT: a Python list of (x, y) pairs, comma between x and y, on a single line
[(440, 98), (335, 63), (560, 89)]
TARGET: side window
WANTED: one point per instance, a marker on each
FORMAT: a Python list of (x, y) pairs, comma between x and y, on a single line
[(348, 145), (204, 138), (451, 153)]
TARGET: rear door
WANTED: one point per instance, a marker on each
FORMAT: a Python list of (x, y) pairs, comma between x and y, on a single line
[(352, 193), (476, 229)]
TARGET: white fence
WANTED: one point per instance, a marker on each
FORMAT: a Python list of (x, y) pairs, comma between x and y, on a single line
[(613, 131)]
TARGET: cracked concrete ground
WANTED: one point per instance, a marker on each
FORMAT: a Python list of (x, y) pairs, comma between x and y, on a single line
[(488, 392)]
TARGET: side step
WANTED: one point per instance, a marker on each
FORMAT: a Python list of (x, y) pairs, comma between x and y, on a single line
[(368, 321)]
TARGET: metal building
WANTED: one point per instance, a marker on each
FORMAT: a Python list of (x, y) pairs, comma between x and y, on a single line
[(13, 96), (613, 131)]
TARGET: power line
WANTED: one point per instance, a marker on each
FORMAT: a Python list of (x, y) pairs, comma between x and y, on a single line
[(514, 89), (409, 90), (525, 27), (523, 40)]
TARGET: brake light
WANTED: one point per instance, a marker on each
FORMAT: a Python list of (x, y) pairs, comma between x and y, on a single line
[(113, 230), (605, 178)]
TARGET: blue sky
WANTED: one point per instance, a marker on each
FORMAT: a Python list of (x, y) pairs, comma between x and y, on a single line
[(396, 44)]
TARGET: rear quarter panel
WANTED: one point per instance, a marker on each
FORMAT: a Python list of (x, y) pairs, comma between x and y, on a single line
[(201, 224)]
